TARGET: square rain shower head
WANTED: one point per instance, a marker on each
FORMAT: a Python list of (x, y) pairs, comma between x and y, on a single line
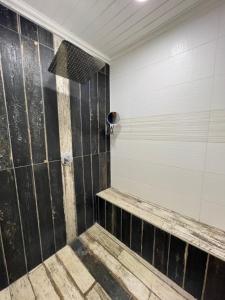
[(74, 63)]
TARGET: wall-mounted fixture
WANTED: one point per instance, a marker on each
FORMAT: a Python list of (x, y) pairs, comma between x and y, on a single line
[(112, 120), (74, 63)]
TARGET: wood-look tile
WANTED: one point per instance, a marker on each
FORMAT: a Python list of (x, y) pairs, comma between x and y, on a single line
[(101, 205), (24, 178), (126, 227), (176, 260), (195, 271), (15, 98), (50, 103), (88, 192), (99, 271), (94, 114), (57, 203), (5, 149), (136, 234), (44, 209), (215, 287), (117, 222), (11, 227), (107, 103), (102, 111), (45, 37), (28, 28), (8, 18), (108, 220), (76, 127), (148, 241), (161, 250), (85, 117), (33, 91), (79, 189), (102, 171), (108, 157), (95, 178), (3, 270)]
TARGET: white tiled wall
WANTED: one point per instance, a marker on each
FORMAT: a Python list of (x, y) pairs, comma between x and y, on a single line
[(182, 71)]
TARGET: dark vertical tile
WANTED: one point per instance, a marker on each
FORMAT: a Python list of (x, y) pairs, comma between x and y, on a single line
[(102, 171), (45, 37), (33, 92), (11, 227), (117, 224), (5, 155), (94, 114), (148, 241), (57, 204), (28, 216), (136, 234), (79, 188), (88, 192), (44, 209), (107, 102), (8, 18), (85, 117), (101, 204), (75, 108), (102, 111), (28, 28), (2, 99), (176, 260), (95, 178), (161, 250), (108, 220), (50, 101), (108, 154), (195, 271), (215, 281), (126, 224), (97, 209), (14, 91), (3, 278)]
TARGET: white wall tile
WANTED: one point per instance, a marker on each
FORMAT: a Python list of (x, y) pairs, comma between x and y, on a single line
[(182, 71)]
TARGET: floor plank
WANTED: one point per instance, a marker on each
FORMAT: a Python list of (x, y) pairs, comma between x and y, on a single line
[(76, 268), (97, 293), (42, 285), (5, 294), (63, 283), (133, 284), (22, 289)]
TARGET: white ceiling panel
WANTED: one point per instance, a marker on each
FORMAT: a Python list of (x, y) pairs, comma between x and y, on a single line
[(106, 28)]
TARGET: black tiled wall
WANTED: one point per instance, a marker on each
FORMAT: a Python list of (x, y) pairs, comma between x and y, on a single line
[(32, 220), (199, 273)]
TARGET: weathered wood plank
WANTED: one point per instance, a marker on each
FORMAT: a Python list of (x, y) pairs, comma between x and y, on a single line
[(63, 283), (97, 231), (5, 294), (204, 237), (75, 267), (156, 285), (22, 289), (42, 285), (65, 134), (154, 297), (97, 293), (132, 283)]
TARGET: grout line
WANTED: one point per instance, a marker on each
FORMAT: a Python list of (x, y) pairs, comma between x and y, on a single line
[(185, 264), (4, 258), (205, 277), (168, 256), (13, 167), (142, 230)]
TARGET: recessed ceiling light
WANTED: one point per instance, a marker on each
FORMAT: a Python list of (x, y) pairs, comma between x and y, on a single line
[(141, 0)]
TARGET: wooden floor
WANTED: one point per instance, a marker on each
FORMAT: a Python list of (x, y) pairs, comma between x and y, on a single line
[(97, 266)]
